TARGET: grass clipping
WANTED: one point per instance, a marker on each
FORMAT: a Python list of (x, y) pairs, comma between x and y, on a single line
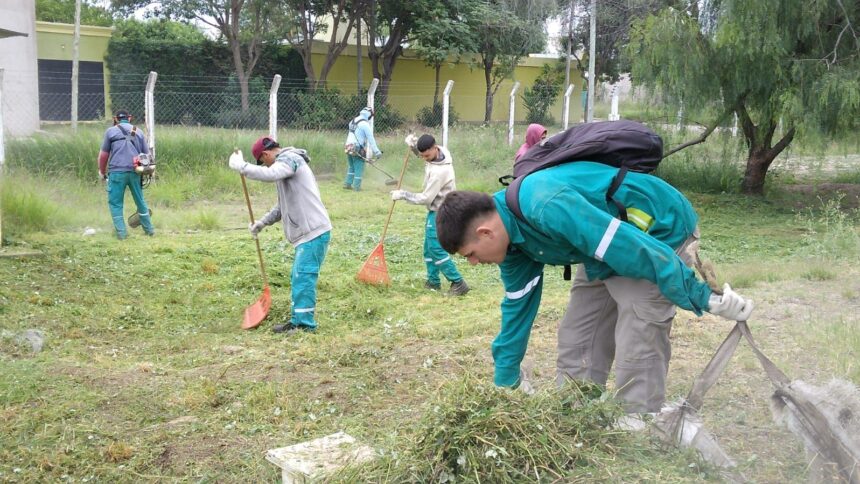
[(478, 432)]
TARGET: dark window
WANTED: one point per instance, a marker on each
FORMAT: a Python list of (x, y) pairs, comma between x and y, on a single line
[(55, 90)]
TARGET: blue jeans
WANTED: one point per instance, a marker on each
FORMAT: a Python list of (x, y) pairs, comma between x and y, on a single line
[(354, 171), (303, 279), (435, 257), (116, 185)]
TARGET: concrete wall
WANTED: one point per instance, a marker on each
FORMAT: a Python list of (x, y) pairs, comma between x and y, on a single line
[(412, 85), (18, 60)]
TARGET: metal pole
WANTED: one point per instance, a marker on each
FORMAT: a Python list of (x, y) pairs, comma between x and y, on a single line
[(446, 104), (565, 114), (569, 42), (76, 41), (273, 107), (511, 109), (149, 111), (613, 111), (371, 98), (592, 40), (358, 59), (2, 149)]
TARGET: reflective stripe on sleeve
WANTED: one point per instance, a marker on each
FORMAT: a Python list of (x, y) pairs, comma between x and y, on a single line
[(522, 292), (640, 219), (607, 239)]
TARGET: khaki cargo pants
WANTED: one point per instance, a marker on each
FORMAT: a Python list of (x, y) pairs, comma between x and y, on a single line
[(625, 320)]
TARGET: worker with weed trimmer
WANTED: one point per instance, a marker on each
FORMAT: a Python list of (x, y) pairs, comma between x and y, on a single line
[(119, 161), (438, 182), (306, 222), (360, 146), (631, 277)]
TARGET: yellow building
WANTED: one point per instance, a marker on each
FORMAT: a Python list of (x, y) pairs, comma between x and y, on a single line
[(413, 81), (54, 53)]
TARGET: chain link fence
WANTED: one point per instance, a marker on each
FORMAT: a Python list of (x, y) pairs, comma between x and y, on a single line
[(217, 102)]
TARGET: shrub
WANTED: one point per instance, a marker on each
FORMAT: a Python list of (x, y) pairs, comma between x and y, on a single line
[(541, 96), (432, 116)]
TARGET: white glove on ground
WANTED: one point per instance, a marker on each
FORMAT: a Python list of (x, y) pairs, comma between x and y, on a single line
[(398, 194), (730, 305), (255, 228), (411, 140), (237, 162), (525, 385)]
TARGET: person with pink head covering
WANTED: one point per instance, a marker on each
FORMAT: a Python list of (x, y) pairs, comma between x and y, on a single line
[(534, 134)]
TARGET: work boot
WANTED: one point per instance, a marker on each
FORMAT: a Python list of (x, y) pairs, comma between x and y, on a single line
[(291, 329), (433, 287), (347, 187), (459, 288)]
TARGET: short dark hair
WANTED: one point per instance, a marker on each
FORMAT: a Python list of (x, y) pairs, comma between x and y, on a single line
[(425, 142), (455, 216)]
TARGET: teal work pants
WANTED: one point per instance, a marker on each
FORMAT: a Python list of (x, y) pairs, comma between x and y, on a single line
[(117, 182), (303, 278), (354, 172), (435, 257)]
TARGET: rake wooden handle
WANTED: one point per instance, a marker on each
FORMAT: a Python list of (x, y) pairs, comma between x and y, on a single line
[(399, 182), (251, 214)]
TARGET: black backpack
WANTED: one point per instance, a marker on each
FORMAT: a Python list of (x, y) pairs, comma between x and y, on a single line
[(626, 145)]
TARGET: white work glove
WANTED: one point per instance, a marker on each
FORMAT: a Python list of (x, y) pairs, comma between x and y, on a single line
[(411, 140), (255, 228), (525, 385), (398, 195), (730, 305), (237, 162)]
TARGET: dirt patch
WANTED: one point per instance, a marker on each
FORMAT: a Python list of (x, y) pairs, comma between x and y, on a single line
[(849, 194)]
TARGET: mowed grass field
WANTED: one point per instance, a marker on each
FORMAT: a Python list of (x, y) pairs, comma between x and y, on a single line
[(146, 376)]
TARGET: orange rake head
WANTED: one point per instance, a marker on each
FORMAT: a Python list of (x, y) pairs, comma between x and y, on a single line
[(257, 312), (374, 271)]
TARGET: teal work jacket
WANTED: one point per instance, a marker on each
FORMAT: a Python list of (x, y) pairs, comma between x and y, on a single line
[(569, 221)]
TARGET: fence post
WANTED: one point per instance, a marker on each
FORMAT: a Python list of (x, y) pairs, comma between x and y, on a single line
[(511, 113), (273, 107), (613, 110), (2, 149), (735, 127), (371, 98), (565, 114), (76, 41), (446, 104), (149, 111)]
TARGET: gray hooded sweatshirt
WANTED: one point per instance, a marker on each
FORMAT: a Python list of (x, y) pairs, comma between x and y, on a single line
[(299, 206)]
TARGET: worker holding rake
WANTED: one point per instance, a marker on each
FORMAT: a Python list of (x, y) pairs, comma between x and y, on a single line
[(438, 182), (623, 297), (306, 222)]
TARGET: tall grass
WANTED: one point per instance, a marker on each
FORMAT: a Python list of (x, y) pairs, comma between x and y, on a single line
[(24, 208)]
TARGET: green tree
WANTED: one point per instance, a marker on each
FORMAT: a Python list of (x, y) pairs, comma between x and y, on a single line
[(63, 11), (441, 35), (793, 60), (614, 20), (504, 32), (311, 18), (244, 24)]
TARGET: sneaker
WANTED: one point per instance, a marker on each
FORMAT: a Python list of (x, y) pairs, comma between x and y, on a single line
[(291, 328), (347, 187), (433, 287), (459, 288)]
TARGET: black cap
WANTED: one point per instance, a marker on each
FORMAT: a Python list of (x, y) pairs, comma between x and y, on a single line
[(121, 114)]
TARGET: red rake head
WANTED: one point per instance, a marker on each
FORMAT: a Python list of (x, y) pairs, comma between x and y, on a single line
[(374, 271), (257, 312)]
